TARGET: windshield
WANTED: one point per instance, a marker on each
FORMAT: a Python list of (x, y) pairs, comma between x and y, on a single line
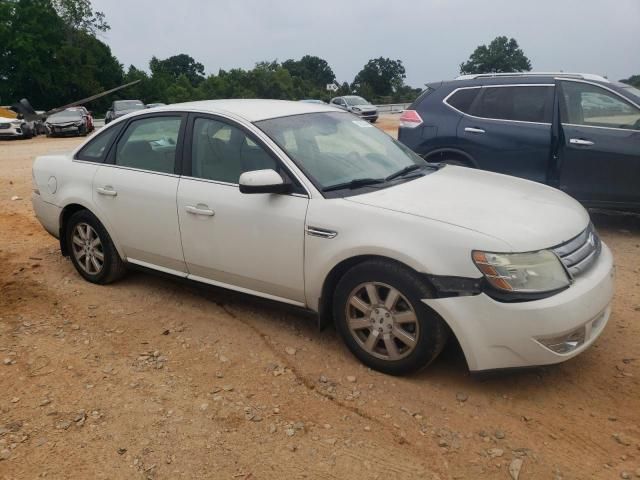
[(66, 115), (334, 148), (351, 101), (129, 105)]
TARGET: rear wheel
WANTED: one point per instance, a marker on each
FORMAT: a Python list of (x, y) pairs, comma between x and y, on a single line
[(380, 315), (91, 249)]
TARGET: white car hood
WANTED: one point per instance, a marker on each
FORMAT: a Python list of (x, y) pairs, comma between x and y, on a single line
[(526, 215)]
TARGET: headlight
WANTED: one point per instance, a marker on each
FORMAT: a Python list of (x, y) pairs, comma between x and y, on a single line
[(17, 123), (356, 109), (534, 272)]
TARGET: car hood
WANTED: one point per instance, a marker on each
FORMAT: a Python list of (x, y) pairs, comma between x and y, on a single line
[(526, 215), (63, 121)]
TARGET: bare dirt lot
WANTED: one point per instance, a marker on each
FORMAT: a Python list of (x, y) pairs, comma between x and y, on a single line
[(152, 378)]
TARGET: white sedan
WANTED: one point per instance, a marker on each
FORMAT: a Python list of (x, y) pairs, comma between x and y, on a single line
[(312, 206)]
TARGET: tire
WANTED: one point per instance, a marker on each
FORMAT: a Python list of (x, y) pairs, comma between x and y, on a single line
[(112, 267), (408, 319)]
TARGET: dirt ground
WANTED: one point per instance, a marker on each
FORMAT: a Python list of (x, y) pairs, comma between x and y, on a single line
[(152, 378)]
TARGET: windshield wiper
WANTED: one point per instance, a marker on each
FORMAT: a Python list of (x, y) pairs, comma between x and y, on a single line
[(355, 183), (403, 171)]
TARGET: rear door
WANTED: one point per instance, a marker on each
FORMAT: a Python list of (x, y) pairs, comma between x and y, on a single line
[(507, 128), (135, 191), (600, 145)]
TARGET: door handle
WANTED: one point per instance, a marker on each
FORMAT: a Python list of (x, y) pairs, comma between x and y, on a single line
[(200, 210), (580, 141), (474, 130), (107, 190)]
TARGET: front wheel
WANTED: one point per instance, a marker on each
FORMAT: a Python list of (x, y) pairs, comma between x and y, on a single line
[(380, 316), (91, 249)]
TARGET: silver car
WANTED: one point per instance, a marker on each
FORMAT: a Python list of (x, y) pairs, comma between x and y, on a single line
[(358, 106)]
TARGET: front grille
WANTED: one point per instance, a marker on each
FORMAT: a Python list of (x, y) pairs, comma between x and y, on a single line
[(581, 252), (5, 126)]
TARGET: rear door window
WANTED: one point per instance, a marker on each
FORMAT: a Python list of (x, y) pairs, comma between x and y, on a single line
[(150, 144), (517, 103), (96, 149)]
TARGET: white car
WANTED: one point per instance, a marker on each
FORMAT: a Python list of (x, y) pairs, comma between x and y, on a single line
[(14, 128), (312, 206)]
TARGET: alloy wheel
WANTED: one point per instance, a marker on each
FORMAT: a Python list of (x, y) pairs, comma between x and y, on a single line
[(87, 248), (382, 321)]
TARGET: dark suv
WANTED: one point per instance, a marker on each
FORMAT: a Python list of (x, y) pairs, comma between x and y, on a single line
[(577, 132)]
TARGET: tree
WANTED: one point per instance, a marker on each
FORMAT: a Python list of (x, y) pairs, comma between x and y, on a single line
[(52, 59), (501, 56), (79, 16), (633, 80), (178, 65), (311, 69), (379, 77)]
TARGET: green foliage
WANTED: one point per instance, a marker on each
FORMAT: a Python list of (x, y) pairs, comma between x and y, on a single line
[(501, 56), (379, 77), (49, 54), (78, 16), (312, 70), (633, 80), (50, 61), (176, 66)]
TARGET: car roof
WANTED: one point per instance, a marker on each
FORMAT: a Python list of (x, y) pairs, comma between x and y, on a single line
[(252, 110), (519, 78)]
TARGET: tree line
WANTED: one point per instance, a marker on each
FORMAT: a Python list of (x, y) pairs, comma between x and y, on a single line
[(50, 53)]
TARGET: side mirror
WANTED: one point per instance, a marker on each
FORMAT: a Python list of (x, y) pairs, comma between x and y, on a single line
[(263, 181)]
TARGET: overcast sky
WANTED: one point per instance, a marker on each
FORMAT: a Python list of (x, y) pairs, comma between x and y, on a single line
[(431, 37)]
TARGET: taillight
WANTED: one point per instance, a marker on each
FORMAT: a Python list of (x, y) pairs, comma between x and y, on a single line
[(410, 119)]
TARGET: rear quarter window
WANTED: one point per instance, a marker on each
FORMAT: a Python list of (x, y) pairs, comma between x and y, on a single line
[(463, 99)]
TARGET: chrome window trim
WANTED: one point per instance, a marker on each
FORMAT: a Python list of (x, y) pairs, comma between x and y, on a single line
[(624, 99), (122, 167), (235, 185), (444, 100), (630, 130)]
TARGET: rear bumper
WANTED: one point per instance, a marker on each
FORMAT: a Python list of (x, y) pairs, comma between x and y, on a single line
[(47, 214), (495, 335)]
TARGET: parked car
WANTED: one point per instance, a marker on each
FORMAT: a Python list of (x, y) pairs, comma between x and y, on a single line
[(14, 128), (358, 106), (154, 105), (120, 108), (577, 132), (303, 204), (71, 121)]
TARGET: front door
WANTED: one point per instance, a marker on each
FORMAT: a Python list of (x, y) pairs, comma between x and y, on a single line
[(507, 130), (135, 191), (600, 149), (249, 242)]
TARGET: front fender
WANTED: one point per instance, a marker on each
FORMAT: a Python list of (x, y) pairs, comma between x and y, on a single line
[(426, 246)]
